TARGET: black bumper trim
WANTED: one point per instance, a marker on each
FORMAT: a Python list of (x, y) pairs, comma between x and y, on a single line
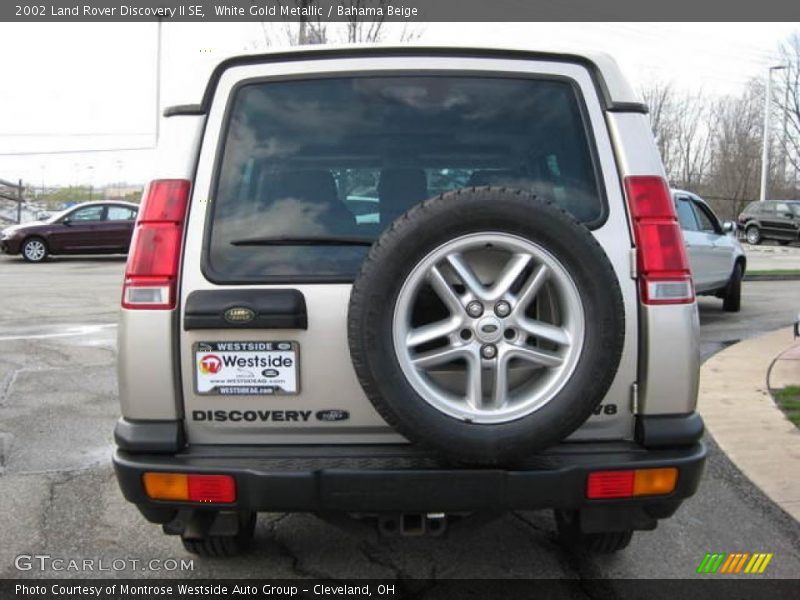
[(669, 431), (397, 478), (149, 436)]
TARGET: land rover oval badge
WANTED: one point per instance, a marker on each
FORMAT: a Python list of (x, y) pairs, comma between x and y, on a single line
[(332, 414), (239, 314)]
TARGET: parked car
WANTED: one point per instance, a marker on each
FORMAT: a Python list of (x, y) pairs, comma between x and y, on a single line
[(88, 228), (716, 257), (485, 349), (777, 220)]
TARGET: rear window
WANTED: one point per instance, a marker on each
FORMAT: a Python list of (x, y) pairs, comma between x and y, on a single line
[(311, 171)]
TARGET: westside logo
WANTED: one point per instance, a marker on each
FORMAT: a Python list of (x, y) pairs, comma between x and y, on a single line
[(257, 361), (210, 364)]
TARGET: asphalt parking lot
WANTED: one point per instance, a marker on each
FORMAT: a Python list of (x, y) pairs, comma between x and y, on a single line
[(59, 497)]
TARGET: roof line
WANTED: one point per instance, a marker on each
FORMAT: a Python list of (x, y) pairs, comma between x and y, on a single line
[(595, 72)]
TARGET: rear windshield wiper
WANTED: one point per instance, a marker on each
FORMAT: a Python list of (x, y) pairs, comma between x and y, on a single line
[(304, 241)]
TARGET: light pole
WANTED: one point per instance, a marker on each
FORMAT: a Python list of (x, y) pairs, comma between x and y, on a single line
[(90, 169), (765, 149)]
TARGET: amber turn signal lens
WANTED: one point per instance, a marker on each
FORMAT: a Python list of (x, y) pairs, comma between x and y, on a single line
[(651, 482), (166, 486)]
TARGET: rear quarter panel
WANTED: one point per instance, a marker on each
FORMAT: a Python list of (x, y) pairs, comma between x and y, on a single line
[(669, 349), (149, 386)]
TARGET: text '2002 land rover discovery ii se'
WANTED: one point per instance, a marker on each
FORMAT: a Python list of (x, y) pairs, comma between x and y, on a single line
[(515, 328)]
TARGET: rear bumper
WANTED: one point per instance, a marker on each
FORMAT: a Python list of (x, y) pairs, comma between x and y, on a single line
[(369, 479)]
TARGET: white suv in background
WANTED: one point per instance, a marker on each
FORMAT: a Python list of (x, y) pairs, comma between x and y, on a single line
[(716, 257)]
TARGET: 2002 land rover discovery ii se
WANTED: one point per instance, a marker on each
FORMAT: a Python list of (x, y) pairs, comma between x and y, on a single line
[(512, 327)]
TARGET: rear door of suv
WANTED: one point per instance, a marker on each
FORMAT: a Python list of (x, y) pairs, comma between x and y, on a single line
[(265, 288), (784, 225)]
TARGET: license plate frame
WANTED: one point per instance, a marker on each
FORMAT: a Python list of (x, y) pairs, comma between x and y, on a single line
[(246, 368)]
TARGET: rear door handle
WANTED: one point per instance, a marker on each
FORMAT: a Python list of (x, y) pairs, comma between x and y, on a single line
[(245, 309)]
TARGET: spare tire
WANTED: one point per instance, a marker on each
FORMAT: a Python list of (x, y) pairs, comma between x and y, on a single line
[(486, 324)]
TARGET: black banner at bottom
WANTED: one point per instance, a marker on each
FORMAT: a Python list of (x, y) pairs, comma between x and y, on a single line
[(252, 589)]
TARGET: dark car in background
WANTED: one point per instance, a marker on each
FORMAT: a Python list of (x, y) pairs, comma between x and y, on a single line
[(88, 228), (771, 220)]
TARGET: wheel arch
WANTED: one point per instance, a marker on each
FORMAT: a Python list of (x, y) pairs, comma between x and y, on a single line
[(35, 236)]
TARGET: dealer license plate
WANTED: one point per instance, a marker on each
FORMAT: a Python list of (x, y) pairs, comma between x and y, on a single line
[(246, 368)]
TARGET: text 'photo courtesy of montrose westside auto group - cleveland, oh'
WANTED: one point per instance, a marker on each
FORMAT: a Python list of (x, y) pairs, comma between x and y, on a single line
[(407, 299)]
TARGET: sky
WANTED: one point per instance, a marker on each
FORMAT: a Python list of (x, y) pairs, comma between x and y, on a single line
[(91, 86)]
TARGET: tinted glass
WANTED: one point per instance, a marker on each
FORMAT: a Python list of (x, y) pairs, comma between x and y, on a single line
[(767, 209), (342, 158), (90, 213), (686, 215), (705, 220), (120, 213)]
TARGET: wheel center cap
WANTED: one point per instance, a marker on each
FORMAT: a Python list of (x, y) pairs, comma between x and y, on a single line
[(489, 330)]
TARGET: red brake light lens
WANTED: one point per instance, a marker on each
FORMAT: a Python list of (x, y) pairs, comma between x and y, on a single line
[(154, 256), (610, 484), (212, 488), (661, 255), (153, 250), (165, 201)]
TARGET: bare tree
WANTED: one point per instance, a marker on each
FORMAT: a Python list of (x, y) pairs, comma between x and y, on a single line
[(713, 146), (684, 128), (787, 101), (695, 128), (365, 23), (660, 99), (737, 157)]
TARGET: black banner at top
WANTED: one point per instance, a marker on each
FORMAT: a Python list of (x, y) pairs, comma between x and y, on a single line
[(409, 11)]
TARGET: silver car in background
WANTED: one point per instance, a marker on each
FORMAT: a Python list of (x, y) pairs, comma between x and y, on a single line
[(716, 257)]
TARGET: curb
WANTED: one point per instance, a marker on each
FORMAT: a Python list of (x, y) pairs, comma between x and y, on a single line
[(771, 277), (740, 413)]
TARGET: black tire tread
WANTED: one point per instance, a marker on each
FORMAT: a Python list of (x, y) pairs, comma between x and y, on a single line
[(760, 235), (732, 302)]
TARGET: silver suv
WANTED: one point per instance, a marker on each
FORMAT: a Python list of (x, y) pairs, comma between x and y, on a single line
[(716, 257), (514, 326)]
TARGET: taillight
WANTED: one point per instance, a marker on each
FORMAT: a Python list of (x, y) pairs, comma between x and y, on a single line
[(154, 256), (190, 488), (661, 256)]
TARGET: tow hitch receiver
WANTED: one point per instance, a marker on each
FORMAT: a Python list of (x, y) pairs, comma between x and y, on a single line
[(412, 524)]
